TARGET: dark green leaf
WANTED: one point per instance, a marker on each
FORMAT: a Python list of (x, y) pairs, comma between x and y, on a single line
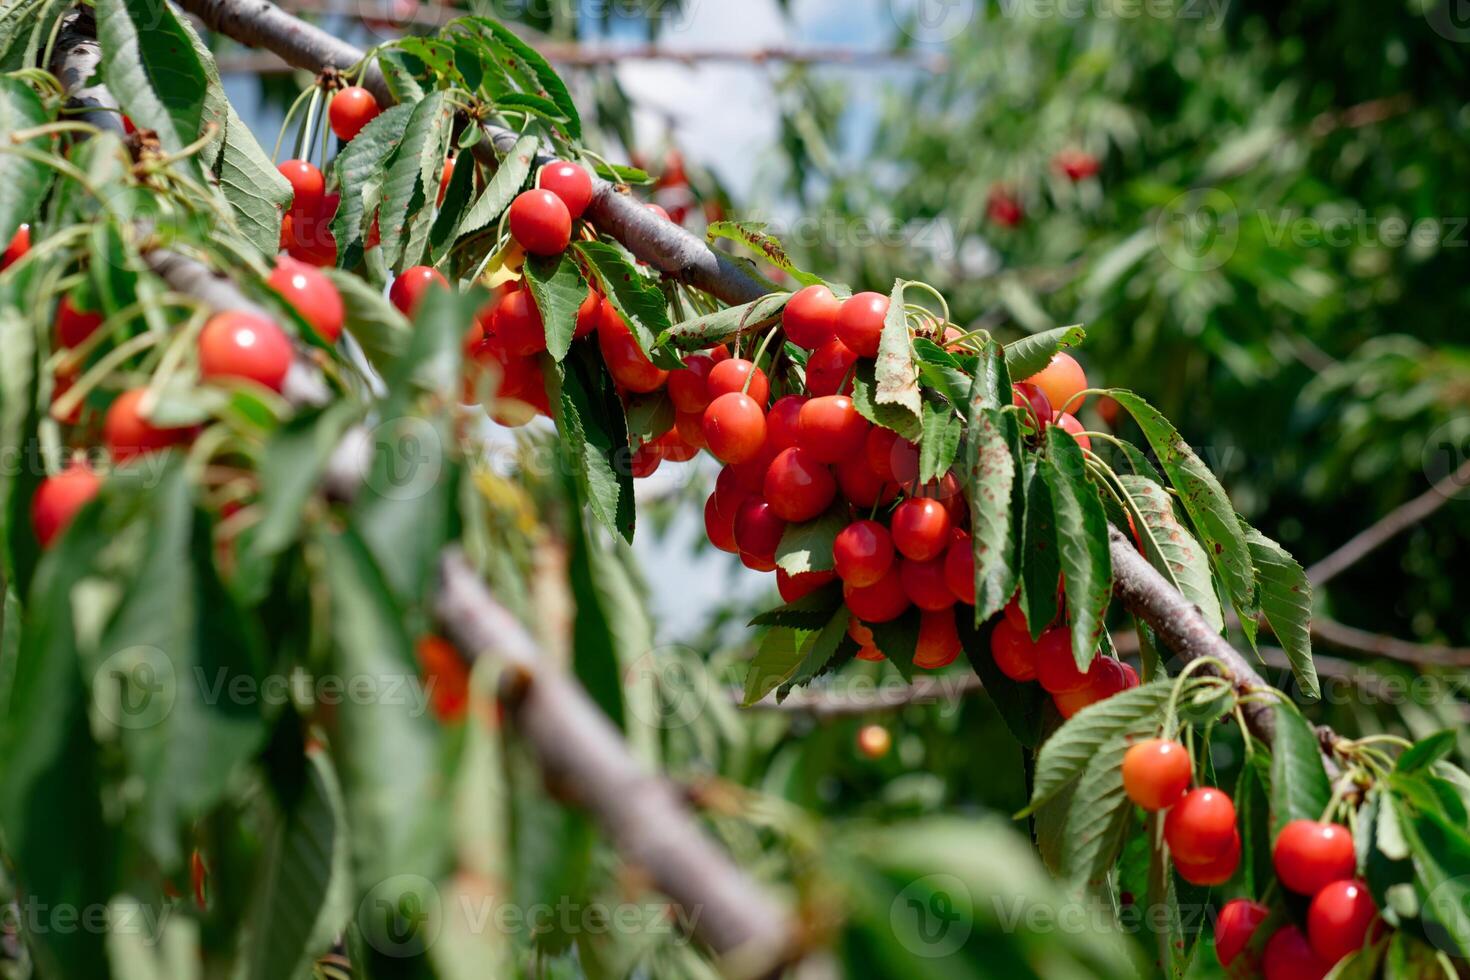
[(808, 547), (151, 67), (412, 179), (1427, 751), (1098, 814), (753, 234), (1169, 546), (775, 661), (456, 202), (899, 640), (996, 505), (22, 182), (557, 287), (636, 297), (864, 399), (594, 432), (1020, 705), (257, 192), (515, 167), (940, 442), (1029, 355), (372, 321), (550, 81), (294, 460), (1299, 786), (1082, 540), (361, 163), (1286, 601), (725, 325), (810, 612)]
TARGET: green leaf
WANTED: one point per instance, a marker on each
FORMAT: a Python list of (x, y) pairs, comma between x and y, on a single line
[(257, 192), (1021, 706), (1252, 803), (1169, 546), (291, 468), (151, 67), (775, 661), (361, 163), (810, 612), (533, 104), (623, 175), (1098, 815), (455, 204), (1440, 852), (22, 182), (502, 189), (753, 235), (1411, 958), (637, 298), (1063, 758), (1204, 501), (1041, 570), (594, 433), (650, 415), (899, 640), (808, 547), (864, 399), (557, 287), (1082, 538), (1299, 785), (1361, 964), (412, 180), (819, 650), (550, 81), (373, 322), (895, 371), (996, 505), (724, 325), (1029, 355), (940, 442), (1286, 601), (1425, 752)]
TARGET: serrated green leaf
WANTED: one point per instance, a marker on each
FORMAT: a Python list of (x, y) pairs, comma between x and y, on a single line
[(899, 640), (412, 180), (819, 650), (896, 373), (996, 505), (1299, 786), (22, 182), (724, 325), (360, 163), (549, 80), (557, 287), (775, 660), (753, 235), (808, 547), (257, 192), (940, 442), (810, 612), (1098, 815), (514, 168), (455, 204), (1169, 546), (151, 67), (595, 436), (1082, 541), (1286, 601), (1029, 355), (1063, 758), (637, 298), (1204, 500), (1041, 569), (895, 417), (1019, 705)]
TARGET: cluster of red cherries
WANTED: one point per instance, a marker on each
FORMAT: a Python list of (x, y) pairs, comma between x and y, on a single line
[(1311, 858)]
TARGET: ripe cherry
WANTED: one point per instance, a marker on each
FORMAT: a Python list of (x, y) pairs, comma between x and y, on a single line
[(569, 182), (690, 426), (719, 527), (1339, 918), (829, 369), (783, 423), (732, 375), (312, 295), (625, 360), (1056, 667), (351, 109), (236, 344), (860, 323), (758, 532), (1105, 677), (516, 325), (1068, 422), (1288, 956), (688, 389), (589, 315), (939, 640), (959, 567), (734, 428), (1013, 651), (793, 587), (541, 223), (19, 245), (409, 288), (1215, 871), (58, 499), (924, 584), (308, 187), (891, 456), (73, 325), (1014, 614), (831, 428), (1235, 926), (810, 317), (1309, 855), (1200, 827), (921, 528), (1034, 400), (862, 553), (644, 461), (127, 434), (1061, 381), (445, 176), (307, 236), (751, 474), (881, 602), (1156, 773), (1002, 207), (798, 486), (861, 485)]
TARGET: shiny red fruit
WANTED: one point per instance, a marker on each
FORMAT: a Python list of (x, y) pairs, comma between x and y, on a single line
[(690, 426), (829, 370), (541, 223), (644, 461), (351, 109), (1235, 926), (1309, 855), (1034, 400), (239, 345), (308, 187), (127, 435), (688, 388), (783, 423), (570, 183), (793, 587), (881, 602), (1075, 164), (1068, 423), (810, 317), (73, 326), (730, 493), (589, 314), (862, 553), (939, 640), (860, 485), (312, 295), (719, 527), (860, 323), (19, 245), (799, 487), (920, 528), (58, 499), (924, 584), (409, 288), (758, 531), (1288, 956), (1339, 918), (751, 474), (1200, 827), (892, 457), (734, 428), (959, 567), (1156, 773), (1062, 380), (1215, 871), (831, 428), (445, 176), (517, 326), (1013, 651), (1056, 667), (733, 375)]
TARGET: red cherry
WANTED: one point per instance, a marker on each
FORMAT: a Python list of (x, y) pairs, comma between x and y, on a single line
[(690, 426), (236, 344), (891, 456), (1288, 956), (730, 493), (1069, 423), (1215, 871), (445, 176), (541, 223), (924, 584), (831, 428), (959, 568), (687, 386), (20, 244), (1013, 652), (794, 587), (625, 360), (719, 527), (783, 423), (308, 187), (734, 427), (798, 487), (731, 375), (1199, 828), (881, 602), (871, 654), (861, 485), (1339, 919), (517, 325), (1156, 773), (1130, 678), (1061, 381), (58, 499), (939, 640), (1309, 855), (810, 317), (1013, 613), (860, 323), (73, 326), (1056, 667), (751, 474), (1235, 926), (1034, 400), (351, 109), (644, 461), (570, 183), (1002, 207), (758, 532), (829, 369), (589, 314), (126, 434), (411, 285), (1105, 677), (1075, 164), (862, 553), (920, 528), (307, 235), (310, 294)]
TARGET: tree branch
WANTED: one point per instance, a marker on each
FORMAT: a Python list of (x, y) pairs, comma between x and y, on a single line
[(827, 703), (1345, 637)]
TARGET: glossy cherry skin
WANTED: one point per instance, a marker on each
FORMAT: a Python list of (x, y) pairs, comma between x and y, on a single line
[(810, 317), (892, 457), (570, 183), (1068, 423), (1156, 773), (73, 325), (409, 288), (881, 602), (541, 223), (829, 369), (351, 109), (758, 532), (1288, 956), (719, 527), (860, 485), (939, 640), (1200, 827), (688, 387), (799, 487), (1013, 651), (19, 245), (924, 584), (1061, 381), (862, 553), (734, 428), (238, 345), (1339, 918), (308, 186), (860, 323), (1236, 924), (312, 295), (127, 434), (733, 375), (1056, 666), (1310, 855), (920, 528), (1215, 871), (831, 428), (1034, 400), (58, 499), (516, 325), (794, 587), (783, 423)]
